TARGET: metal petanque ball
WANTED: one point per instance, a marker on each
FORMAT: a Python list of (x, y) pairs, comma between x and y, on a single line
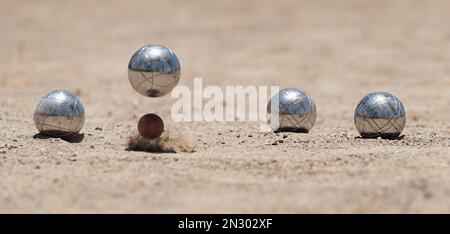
[(380, 114), (291, 110), (154, 70), (59, 113)]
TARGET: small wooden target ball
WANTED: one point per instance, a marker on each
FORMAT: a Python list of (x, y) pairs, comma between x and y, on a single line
[(151, 126)]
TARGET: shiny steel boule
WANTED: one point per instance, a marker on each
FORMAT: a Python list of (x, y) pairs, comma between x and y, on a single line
[(380, 114), (154, 70), (59, 113), (291, 110)]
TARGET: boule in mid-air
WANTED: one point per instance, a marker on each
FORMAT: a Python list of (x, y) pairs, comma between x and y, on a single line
[(154, 70)]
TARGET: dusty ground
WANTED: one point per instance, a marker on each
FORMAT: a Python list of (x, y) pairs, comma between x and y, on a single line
[(336, 50)]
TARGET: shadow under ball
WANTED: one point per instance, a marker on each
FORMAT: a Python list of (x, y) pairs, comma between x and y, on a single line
[(380, 114), (59, 113), (154, 70), (150, 126)]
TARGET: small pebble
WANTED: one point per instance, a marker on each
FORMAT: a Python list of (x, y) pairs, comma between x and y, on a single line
[(73, 157), (11, 147)]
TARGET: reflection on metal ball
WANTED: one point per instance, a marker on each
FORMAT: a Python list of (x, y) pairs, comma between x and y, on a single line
[(291, 110), (59, 113), (380, 114), (154, 70)]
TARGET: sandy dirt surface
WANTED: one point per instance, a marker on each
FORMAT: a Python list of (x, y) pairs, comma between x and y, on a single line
[(336, 50)]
